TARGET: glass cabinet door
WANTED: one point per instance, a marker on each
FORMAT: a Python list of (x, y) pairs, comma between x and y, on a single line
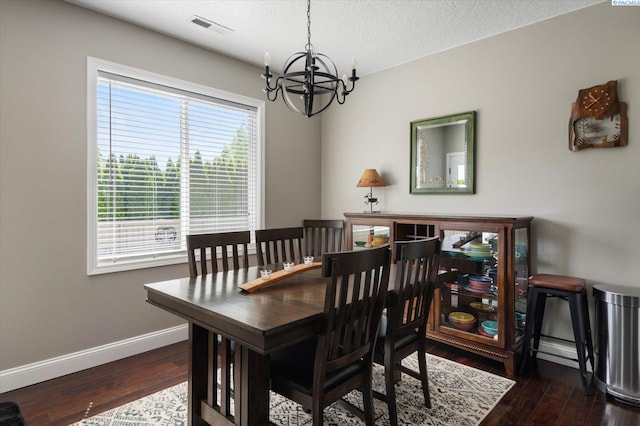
[(471, 283), (370, 235)]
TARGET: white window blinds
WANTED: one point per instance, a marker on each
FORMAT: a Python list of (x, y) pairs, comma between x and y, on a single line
[(168, 163)]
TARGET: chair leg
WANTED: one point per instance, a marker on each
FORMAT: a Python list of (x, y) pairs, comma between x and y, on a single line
[(367, 399), (539, 306), (317, 412), (528, 329), (585, 307), (422, 365), (389, 380), (579, 333)]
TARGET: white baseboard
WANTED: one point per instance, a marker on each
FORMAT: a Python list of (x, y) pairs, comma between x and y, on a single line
[(564, 349), (37, 372)]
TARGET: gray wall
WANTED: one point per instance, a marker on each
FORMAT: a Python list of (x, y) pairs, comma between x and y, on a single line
[(49, 307), (521, 83), (586, 204)]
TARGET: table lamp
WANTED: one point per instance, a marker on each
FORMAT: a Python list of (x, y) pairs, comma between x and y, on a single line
[(370, 178)]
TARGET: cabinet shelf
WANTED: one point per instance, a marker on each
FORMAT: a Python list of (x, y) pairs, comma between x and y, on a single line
[(509, 239)]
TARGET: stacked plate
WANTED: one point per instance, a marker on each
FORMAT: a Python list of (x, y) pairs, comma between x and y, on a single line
[(479, 284), (479, 251)]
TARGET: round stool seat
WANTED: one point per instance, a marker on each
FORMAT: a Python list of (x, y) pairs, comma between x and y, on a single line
[(557, 282)]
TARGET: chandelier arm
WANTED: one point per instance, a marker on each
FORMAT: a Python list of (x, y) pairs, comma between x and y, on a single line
[(267, 77), (272, 92), (270, 97), (268, 87), (342, 95), (353, 84)]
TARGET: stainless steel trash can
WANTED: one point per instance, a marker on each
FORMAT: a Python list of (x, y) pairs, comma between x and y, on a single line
[(618, 341)]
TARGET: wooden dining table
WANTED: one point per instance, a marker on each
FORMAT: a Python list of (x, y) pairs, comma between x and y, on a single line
[(258, 323)]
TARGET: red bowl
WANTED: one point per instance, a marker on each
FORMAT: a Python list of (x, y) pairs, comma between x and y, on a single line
[(465, 326)]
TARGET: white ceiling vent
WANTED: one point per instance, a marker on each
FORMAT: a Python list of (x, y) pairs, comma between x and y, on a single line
[(210, 25)]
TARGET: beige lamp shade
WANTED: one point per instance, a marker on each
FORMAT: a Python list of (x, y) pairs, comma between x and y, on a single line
[(370, 178)]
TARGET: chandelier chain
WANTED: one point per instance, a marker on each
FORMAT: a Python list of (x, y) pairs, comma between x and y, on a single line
[(309, 45)]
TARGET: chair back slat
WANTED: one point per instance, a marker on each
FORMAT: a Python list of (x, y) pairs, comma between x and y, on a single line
[(323, 236), (209, 244), (416, 275), (279, 245), (354, 302)]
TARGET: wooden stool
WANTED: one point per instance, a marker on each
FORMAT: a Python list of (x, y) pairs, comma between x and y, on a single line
[(572, 290)]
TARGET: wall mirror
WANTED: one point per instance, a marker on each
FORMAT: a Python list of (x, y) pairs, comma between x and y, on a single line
[(442, 154)]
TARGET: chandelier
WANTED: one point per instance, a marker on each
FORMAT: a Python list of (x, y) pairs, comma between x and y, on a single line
[(308, 75)]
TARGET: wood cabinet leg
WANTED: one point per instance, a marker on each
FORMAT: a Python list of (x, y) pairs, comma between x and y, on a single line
[(510, 366)]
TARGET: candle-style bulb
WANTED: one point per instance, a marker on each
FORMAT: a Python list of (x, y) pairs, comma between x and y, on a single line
[(353, 63), (267, 59)]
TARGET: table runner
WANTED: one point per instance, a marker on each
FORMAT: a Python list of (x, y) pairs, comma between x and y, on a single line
[(278, 275)]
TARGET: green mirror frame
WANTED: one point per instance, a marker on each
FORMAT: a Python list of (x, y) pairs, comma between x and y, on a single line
[(442, 154)]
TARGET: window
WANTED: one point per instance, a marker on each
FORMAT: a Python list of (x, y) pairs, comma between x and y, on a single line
[(167, 158)]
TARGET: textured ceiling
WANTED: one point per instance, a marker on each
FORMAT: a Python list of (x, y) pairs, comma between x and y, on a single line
[(377, 33)]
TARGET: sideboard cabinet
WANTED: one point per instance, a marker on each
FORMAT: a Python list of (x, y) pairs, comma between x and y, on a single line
[(480, 302)]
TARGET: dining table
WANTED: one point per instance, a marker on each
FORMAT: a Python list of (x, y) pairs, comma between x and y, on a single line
[(273, 315)]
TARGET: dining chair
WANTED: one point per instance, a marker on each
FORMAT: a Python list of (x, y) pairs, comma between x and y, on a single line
[(277, 245), (403, 329), (231, 244), (323, 236), (319, 371)]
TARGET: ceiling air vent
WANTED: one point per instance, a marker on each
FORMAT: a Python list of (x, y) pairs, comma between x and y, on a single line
[(210, 25)]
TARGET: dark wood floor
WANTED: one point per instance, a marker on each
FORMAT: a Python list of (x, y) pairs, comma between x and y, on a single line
[(552, 396)]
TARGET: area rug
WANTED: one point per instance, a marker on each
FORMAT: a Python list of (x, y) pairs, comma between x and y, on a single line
[(460, 395)]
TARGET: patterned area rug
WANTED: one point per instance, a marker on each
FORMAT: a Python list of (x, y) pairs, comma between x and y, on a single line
[(460, 395)]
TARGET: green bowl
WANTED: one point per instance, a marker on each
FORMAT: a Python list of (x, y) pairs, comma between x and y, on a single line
[(360, 243)]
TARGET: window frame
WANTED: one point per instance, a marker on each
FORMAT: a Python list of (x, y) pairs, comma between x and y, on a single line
[(94, 67)]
